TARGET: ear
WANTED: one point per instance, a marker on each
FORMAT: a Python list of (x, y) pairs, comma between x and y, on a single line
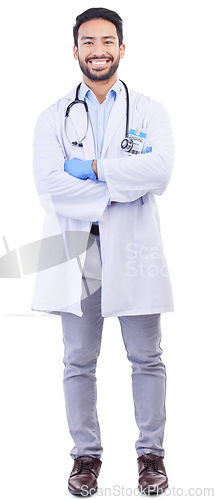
[(122, 51), (75, 52)]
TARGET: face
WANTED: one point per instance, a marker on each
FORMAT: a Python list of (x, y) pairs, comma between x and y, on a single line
[(98, 50)]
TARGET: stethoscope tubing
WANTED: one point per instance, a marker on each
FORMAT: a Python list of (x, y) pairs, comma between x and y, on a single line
[(79, 101)]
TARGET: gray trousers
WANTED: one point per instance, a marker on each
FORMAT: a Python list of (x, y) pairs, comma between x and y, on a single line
[(82, 341)]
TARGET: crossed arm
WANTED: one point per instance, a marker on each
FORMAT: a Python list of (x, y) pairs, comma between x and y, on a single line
[(86, 169), (125, 178)]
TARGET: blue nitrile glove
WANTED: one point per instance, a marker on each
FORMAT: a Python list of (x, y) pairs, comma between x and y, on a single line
[(147, 150), (80, 168)]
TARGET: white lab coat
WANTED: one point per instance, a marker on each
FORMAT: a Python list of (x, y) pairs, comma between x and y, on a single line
[(135, 278)]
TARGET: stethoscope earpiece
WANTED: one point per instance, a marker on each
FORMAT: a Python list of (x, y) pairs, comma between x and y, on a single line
[(75, 143)]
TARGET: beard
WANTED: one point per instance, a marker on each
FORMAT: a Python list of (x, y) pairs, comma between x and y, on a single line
[(96, 75)]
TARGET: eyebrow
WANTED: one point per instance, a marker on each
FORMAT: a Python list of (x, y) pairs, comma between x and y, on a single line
[(93, 37)]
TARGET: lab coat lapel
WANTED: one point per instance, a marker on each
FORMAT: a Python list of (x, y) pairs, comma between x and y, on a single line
[(117, 114)]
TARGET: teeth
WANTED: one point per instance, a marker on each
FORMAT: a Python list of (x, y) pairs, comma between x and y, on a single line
[(99, 63)]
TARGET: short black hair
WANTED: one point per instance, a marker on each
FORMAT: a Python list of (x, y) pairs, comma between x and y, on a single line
[(98, 13)]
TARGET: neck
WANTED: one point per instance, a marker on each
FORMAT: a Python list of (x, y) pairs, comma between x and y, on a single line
[(100, 88)]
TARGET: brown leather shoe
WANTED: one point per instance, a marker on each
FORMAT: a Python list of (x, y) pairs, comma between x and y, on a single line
[(152, 474), (83, 478)]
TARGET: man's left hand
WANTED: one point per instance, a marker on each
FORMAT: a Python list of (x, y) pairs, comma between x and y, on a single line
[(80, 168)]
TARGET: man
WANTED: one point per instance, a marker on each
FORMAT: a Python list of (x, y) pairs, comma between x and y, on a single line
[(104, 187)]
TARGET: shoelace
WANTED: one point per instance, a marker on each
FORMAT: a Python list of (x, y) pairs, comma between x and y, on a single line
[(86, 465), (151, 463)]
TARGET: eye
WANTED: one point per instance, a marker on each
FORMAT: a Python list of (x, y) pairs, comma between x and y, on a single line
[(88, 43), (108, 42)]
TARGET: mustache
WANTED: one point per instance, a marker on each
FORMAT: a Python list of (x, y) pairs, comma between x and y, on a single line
[(99, 58)]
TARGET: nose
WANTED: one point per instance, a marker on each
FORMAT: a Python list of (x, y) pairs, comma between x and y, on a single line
[(99, 49)]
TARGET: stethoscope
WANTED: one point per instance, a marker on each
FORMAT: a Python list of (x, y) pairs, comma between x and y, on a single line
[(126, 144)]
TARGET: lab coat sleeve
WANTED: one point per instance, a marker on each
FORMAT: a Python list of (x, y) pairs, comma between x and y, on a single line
[(132, 176), (60, 192)]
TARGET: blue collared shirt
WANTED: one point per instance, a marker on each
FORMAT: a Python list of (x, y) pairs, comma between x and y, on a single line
[(99, 114)]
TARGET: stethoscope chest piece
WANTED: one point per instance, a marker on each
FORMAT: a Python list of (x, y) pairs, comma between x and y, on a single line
[(127, 144)]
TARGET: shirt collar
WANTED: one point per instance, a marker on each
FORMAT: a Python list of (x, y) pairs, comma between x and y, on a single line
[(85, 91)]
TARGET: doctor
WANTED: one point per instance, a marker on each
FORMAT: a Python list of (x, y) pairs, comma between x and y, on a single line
[(105, 194)]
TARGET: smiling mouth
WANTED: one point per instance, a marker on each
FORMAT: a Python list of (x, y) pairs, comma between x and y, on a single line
[(99, 63)]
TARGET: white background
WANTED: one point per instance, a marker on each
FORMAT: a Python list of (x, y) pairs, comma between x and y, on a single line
[(170, 57)]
